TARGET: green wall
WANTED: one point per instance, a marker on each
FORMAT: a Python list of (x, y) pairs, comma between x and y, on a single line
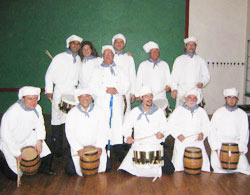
[(28, 28)]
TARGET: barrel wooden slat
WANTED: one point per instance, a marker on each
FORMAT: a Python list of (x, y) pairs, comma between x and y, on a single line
[(30, 161), (90, 162), (229, 156), (192, 160)]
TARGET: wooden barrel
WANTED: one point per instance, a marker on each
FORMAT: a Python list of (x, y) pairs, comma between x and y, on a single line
[(229, 156), (30, 161), (192, 160), (89, 162)]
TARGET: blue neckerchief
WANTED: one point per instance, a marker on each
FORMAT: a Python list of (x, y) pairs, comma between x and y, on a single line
[(151, 111), (109, 66), (231, 109), (68, 51), (91, 107), (155, 62), (88, 58), (195, 107), (20, 102), (120, 53), (190, 54)]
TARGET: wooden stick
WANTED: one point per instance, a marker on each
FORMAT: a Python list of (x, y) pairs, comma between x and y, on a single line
[(191, 135), (18, 174), (142, 138), (48, 53)]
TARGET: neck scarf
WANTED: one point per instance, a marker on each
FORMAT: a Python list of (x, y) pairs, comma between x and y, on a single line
[(190, 54), (195, 107), (91, 107), (109, 66), (153, 109), (68, 51), (20, 102), (120, 53), (88, 58), (231, 109), (155, 62)]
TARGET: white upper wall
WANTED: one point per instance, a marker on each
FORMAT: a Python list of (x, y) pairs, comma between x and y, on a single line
[(221, 29)]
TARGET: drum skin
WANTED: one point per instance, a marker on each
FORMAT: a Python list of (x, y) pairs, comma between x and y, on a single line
[(30, 161), (192, 160), (90, 162), (229, 156)]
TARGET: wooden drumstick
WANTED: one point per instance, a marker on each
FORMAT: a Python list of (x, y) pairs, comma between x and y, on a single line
[(142, 138), (191, 135), (18, 174), (48, 53)]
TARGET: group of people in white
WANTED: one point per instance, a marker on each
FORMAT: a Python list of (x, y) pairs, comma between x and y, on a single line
[(103, 90)]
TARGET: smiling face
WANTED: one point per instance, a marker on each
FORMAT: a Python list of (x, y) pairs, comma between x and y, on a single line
[(30, 101), (86, 51), (147, 101), (190, 47), (154, 54), (74, 46), (108, 56), (119, 45), (85, 100), (191, 100), (231, 101)]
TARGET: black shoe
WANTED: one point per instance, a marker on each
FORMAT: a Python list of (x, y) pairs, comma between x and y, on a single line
[(48, 172)]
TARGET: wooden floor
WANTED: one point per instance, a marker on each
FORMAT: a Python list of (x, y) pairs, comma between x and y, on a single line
[(118, 182)]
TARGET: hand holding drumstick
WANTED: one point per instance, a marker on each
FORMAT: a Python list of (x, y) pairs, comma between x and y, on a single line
[(181, 137), (158, 135)]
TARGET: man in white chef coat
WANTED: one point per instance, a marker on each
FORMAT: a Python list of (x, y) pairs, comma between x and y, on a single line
[(62, 78), (150, 129), (154, 73), (190, 126), (23, 125), (86, 125), (126, 62), (109, 84), (189, 72), (229, 125)]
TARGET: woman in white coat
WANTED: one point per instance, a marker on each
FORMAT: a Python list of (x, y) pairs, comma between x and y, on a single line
[(90, 60), (23, 125), (86, 125), (229, 125), (190, 126)]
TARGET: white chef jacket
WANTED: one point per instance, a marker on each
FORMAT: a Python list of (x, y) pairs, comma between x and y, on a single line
[(182, 121), (64, 74), (142, 128), (20, 128), (229, 127), (127, 63), (82, 131), (186, 73), (101, 80), (154, 76), (86, 71)]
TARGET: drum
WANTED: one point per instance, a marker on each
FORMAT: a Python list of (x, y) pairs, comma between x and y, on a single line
[(30, 161), (148, 156), (192, 160), (229, 156), (89, 162), (67, 102)]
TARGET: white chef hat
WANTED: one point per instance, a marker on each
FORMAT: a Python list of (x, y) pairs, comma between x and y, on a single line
[(108, 47), (195, 92), (73, 38), (231, 92), (118, 36), (145, 90), (79, 92), (189, 39), (150, 45), (29, 90)]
